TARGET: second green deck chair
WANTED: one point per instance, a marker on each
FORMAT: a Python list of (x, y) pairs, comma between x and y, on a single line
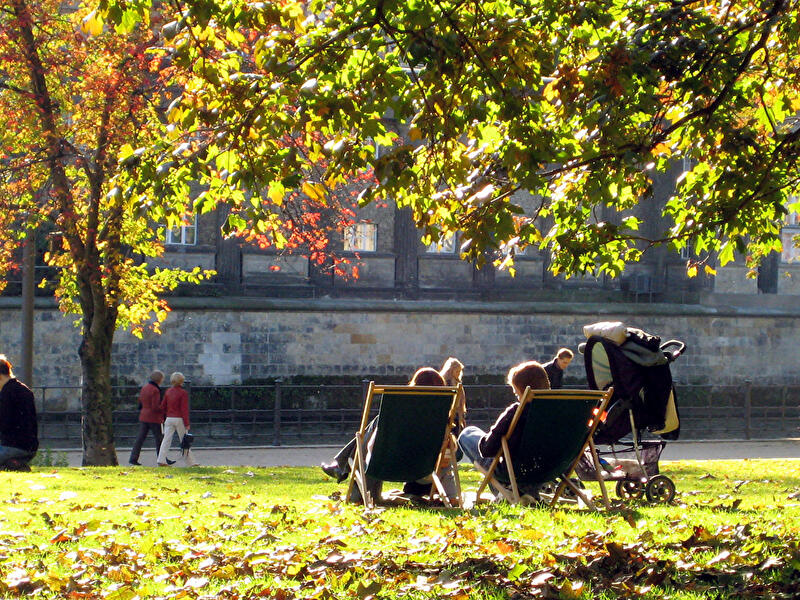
[(412, 436), (557, 427)]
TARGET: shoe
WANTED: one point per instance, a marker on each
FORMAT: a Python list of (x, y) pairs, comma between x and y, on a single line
[(170, 462), (134, 463), (332, 469)]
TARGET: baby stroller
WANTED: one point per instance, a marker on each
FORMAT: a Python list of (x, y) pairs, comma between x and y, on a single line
[(637, 365)]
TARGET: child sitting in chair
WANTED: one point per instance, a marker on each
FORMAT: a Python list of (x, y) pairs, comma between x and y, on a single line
[(481, 447)]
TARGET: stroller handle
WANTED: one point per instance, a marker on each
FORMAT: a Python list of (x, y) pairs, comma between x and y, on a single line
[(673, 355)]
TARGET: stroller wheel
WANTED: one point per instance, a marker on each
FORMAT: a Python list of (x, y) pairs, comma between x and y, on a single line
[(660, 488), (630, 489), (545, 491)]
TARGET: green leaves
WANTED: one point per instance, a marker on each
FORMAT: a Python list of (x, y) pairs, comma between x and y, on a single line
[(579, 112)]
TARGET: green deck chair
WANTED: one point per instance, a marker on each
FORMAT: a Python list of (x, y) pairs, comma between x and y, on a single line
[(557, 429), (412, 436)]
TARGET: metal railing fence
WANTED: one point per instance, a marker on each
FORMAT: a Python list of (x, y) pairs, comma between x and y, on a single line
[(288, 414)]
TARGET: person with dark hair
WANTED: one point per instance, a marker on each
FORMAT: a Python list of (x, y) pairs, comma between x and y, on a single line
[(339, 467), (556, 367), (19, 431), (151, 417), (481, 447)]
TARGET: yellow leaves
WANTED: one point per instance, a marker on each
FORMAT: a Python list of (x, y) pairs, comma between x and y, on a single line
[(661, 149), (551, 91), (275, 192), (414, 134), (92, 24), (315, 191)]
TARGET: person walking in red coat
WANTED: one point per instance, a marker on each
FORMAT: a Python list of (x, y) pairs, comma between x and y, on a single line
[(176, 408), (151, 417)]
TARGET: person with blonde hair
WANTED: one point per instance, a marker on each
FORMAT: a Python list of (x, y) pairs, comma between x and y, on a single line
[(176, 408), (452, 371)]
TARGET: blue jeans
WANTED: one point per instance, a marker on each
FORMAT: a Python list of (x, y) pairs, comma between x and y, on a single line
[(468, 441), (9, 452)]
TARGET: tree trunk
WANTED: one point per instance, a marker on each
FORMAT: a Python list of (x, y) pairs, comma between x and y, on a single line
[(96, 425)]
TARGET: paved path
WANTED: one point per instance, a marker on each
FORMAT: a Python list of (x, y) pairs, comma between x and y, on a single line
[(299, 456)]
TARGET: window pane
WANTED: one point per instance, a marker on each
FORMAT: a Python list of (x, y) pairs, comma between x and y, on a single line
[(184, 236), (189, 235), (790, 251), (444, 246), (361, 237)]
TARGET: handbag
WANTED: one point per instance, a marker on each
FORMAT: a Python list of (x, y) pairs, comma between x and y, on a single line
[(186, 442)]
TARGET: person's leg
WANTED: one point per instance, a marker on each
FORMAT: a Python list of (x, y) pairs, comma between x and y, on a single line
[(345, 454), (448, 477), (137, 443), (339, 468), (169, 431), (188, 457), (9, 452), (468, 441), (158, 433)]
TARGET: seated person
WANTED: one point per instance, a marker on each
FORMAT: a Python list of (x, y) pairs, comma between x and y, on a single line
[(451, 371), (481, 447), (339, 467), (19, 438)]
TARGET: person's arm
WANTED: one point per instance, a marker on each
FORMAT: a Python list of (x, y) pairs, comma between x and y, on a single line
[(490, 443), (150, 398), (162, 403), (6, 418)]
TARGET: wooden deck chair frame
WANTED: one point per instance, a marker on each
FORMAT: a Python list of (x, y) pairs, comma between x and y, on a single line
[(358, 472), (529, 396)]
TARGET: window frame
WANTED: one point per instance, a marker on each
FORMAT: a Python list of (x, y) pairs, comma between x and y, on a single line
[(169, 234), (789, 229), (363, 231)]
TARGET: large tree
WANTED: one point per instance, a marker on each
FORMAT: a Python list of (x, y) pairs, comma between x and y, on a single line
[(83, 104), (72, 100), (575, 104)]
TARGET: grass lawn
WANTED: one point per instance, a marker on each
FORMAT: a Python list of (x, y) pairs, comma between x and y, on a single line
[(733, 531)]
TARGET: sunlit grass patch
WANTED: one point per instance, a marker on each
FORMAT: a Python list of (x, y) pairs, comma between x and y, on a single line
[(209, 532)]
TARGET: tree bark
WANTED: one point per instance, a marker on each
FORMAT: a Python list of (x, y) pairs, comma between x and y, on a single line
[(97, 424)]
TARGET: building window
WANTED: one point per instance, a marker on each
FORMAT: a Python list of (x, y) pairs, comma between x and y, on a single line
[(185, 235), (361, 237), (445, 245), (791, 228)]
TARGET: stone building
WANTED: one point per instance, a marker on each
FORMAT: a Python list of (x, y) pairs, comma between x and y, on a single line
[(393, 263)]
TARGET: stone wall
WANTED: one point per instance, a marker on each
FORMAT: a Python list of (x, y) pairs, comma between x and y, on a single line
[(230, 340)]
